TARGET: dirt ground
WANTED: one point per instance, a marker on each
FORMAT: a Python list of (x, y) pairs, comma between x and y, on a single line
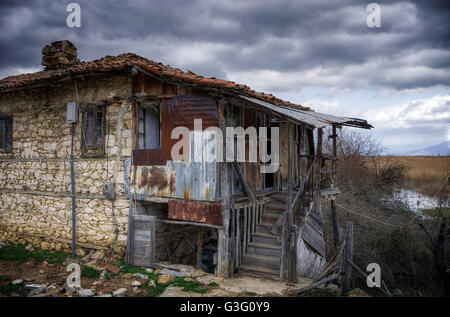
[(53, 278), (36, 273)]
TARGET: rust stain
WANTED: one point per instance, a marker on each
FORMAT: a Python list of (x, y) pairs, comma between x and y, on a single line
[(194, 211), (207, 193), (186, 194), (172, 183), (158, 178), (144, 177)]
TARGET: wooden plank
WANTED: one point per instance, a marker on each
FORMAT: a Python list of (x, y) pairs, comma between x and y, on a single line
[(244, 233), (320, 282), (314, 239), (199, 247), (142, 244)]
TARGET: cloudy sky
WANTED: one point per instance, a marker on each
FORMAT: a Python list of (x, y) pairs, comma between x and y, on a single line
[(315, 52)]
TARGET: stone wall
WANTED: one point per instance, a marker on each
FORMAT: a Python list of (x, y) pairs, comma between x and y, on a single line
[(35, 202)]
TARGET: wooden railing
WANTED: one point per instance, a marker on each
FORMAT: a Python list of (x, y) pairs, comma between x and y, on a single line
[(289, 225), (244, 220)]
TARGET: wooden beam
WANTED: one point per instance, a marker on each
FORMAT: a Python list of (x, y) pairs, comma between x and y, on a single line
[(247, 189)]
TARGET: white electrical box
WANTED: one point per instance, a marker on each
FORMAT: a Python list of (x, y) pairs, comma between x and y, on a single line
[(72, 111)]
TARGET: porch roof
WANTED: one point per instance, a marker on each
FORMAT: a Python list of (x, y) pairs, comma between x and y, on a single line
[(315, 119)]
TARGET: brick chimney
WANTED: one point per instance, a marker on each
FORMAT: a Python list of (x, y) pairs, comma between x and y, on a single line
[(59, 54)]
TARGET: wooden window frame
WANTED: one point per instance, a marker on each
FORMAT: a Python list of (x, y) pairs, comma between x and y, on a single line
[(141, 118), (93, 150), (8, 135)]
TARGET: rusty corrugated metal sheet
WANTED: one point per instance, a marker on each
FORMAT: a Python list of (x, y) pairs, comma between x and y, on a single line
[(193, 180), (186, 108), (315, 119), (199, 212)]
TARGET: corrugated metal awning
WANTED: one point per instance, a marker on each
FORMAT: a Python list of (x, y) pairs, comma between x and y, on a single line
[(315, 119)]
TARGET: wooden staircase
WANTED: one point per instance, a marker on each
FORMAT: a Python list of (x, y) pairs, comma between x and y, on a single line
[(263, 256)]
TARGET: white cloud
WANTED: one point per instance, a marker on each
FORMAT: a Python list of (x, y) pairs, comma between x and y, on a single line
[(433, 112)]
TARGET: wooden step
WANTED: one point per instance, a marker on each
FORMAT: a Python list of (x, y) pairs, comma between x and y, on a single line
[(267, 261), (270, 249), (275, 206), (270, 217), (265, 227), (264, 237), (248, 269)]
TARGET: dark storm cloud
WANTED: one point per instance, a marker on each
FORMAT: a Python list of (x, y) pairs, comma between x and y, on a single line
[(219, 38)]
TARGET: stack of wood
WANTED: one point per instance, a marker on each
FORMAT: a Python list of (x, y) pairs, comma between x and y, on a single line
[(59, 54)]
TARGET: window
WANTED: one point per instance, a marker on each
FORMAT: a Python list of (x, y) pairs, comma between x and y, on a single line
[(6, 124), (148, 127), (93, 130)]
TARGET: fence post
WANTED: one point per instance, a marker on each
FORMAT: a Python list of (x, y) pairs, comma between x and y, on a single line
[(348, 258)]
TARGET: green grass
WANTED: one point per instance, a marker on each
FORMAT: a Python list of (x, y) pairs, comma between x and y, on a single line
[(18, 253), (89, 272), (213, 284), (158, 289), (6, 287), (190, 286), (130, 269), (434, 212)]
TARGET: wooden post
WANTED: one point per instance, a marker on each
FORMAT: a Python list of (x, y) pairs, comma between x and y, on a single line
[(199, 247), (348, 258), (335, 223), (290, 215), (233, 238), (238, 241), (223, 268), (284, 251), (333, 162), (244, 233)]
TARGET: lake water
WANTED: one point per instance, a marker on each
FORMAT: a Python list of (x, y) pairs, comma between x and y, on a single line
[(417, 201)]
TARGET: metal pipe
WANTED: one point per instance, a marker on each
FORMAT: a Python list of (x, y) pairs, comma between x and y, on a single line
[(72, 179)]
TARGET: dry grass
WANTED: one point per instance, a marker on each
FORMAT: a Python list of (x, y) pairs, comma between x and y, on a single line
[(424, 173)]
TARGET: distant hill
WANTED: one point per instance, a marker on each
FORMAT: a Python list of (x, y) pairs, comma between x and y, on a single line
[(434, 150)]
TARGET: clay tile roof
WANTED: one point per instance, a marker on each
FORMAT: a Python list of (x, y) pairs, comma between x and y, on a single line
[(128, 60)]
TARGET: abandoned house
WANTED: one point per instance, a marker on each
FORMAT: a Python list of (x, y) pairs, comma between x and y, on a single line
[(94, 139)]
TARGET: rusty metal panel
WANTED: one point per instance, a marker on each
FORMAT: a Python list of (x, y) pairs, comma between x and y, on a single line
[(197, 212), (147, 157), (195, 180), (186, 108)]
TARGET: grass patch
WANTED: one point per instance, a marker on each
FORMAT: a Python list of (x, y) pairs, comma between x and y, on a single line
[(213, 284), (89, 272), (434, 212), (158, 289), (18, 253), (6, 287), (190, 286), (130, 269)]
